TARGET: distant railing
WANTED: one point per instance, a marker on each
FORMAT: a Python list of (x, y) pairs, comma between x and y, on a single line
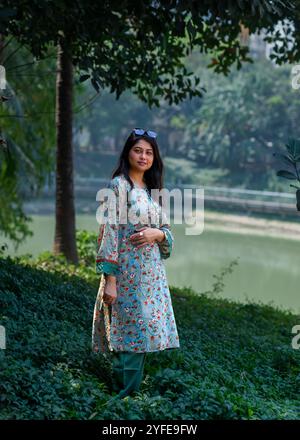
[(216, 197), (251, 200)]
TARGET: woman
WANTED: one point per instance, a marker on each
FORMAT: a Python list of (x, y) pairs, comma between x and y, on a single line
[(130, 255)]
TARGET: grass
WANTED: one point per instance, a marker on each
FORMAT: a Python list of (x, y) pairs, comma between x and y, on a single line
[(235, 361)]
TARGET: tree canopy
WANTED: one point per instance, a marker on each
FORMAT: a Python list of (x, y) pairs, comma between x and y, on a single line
[(141, 45)]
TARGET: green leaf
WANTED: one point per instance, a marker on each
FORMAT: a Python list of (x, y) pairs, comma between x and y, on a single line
[(286, 159), (286, 174), (293, 147), (95, 85), (83, 78)]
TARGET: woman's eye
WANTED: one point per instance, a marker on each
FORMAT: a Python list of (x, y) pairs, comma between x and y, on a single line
[(149, 153)]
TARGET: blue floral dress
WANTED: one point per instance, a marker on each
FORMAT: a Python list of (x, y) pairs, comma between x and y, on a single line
[(142, 318)]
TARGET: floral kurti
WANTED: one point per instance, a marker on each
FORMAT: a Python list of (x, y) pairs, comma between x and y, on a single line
[(142, 318)]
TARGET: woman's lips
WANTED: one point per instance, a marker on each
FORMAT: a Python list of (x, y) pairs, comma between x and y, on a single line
[(142, 163)]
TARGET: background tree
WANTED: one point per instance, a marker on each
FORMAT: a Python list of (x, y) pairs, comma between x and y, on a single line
[(240, 122)]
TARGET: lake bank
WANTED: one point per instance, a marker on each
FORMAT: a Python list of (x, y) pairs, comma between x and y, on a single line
[(243, 224)]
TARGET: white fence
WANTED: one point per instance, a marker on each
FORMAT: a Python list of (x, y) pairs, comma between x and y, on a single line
[(245, 200)]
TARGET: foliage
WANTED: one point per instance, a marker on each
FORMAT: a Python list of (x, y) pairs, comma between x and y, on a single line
[(291, 159), (27, 121), (246, 116), (240, 122), (235, 360)]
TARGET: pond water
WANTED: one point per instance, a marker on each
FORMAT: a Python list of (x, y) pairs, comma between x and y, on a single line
[(267, 271)]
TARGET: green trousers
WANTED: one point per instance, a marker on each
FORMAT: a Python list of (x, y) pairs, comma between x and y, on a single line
[(127, 369)]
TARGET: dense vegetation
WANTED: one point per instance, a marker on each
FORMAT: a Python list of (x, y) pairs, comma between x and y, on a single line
[(235, 360), (227, 137)]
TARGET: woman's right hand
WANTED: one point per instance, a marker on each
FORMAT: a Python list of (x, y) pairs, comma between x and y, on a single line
[(110, 291)]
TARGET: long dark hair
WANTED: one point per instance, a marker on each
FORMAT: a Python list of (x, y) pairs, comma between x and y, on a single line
[(154, 176)]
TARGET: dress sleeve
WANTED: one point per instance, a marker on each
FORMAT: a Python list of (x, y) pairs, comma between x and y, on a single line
[(108, 241), (166, 246)]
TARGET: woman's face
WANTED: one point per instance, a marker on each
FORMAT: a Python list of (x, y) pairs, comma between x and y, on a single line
[(141, 156)]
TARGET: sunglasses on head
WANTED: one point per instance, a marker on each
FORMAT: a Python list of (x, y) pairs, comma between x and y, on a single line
[(141, 131)]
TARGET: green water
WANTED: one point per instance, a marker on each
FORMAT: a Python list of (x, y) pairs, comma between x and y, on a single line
[(268, 268)]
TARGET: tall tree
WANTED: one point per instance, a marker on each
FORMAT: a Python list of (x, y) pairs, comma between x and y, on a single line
[(64, 241)]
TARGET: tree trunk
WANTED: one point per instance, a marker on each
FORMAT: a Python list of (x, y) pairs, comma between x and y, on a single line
[(65, 236)]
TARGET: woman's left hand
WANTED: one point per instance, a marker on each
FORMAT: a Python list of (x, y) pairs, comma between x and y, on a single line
[(149, 236)]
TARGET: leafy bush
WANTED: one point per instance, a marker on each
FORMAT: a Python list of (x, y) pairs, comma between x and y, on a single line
[(235, 360)]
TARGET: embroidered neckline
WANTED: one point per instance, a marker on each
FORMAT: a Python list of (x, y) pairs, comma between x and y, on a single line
[(134, 184)]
